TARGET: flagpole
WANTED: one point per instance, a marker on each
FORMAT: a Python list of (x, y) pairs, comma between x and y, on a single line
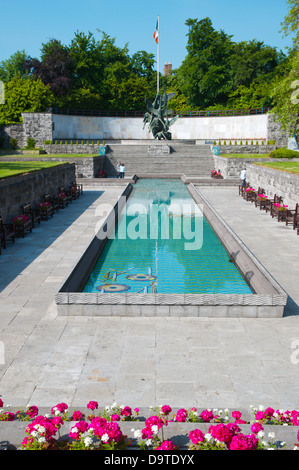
[(158, 58)]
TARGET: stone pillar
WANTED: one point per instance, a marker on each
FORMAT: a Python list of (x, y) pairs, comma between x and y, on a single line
[(38, 126), (275, 132)]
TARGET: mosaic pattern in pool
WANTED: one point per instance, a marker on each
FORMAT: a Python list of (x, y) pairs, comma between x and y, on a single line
[(160, 264)]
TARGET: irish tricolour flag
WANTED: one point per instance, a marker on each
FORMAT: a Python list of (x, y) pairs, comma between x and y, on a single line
[(156, 33)]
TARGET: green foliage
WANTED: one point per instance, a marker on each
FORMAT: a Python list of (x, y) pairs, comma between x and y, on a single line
[(30, 144), (13, 67), (285, 96), (13, 143), (284, 153), (24, 95)]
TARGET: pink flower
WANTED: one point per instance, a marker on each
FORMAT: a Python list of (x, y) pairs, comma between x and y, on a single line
[(1, 402), (243, 442), (126, 411), (57, 421), (136, 411), (256, 427), (224, 432), (78, 429), (269, 412), (7, 416), (166, 410), (181, 415), (166, 445), (92, 405), (196, 436), (206, 416), (115, 417), (77, 415), (61, 408), (32, 411), (259, 415)]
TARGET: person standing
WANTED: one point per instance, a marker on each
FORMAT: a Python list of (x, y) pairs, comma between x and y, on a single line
[(243, 177), (122, 170), (118, 169)]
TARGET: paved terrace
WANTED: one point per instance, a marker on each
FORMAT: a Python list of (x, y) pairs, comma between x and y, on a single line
[(183, 362)]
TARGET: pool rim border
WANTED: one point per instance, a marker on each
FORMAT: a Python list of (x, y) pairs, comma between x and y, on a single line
[(267, 300)]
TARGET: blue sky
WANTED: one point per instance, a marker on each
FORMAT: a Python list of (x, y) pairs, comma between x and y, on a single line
[(26, 24)]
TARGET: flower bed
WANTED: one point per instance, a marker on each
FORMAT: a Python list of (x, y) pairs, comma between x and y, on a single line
[(102, 429)]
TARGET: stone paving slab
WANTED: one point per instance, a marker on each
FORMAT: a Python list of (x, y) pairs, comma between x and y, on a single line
[(207, 362)]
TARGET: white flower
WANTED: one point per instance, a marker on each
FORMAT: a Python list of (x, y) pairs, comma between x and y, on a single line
[(105, 437), (88, 441), (155, 429), (261, 408), (148, 442), (209, 437), (107, 408), (34, 434), (271, 435), (138, 433), (226, 418), (74, 430), (41, 440), (114, 405), (260, 434)]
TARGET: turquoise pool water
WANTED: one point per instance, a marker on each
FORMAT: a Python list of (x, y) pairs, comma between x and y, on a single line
[(175, 251)]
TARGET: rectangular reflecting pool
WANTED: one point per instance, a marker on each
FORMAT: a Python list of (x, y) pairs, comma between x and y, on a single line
[(162, 250), (164, 244)]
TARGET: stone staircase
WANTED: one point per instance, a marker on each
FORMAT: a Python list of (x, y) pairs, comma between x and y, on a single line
[(189, 159)]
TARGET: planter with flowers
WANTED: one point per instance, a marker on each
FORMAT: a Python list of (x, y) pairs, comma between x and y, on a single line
[(216, 174), (46, 210), (101, 174), (22, 223), (249, 194), (261, 201), (62, 200), (163, 429), (279, 211)]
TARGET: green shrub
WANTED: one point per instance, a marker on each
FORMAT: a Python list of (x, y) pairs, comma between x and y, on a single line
[(230, 142), (263, 142), (236, 143), (271, 142), (284, 153), (13, 143), (48, 142), (30, 144), (98, 142), (251, 143)]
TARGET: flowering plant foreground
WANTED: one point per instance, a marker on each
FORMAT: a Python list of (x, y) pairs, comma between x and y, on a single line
[(100, 429)]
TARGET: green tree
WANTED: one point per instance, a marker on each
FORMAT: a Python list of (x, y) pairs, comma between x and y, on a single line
[(24, 94), (290, 24), (204, 75), (285, 96), (14, 66)]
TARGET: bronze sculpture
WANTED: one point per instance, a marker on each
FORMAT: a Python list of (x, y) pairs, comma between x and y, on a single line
[(157, 116)]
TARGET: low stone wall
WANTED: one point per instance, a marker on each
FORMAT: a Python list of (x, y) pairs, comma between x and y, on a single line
[(245, 149), (272, 181), (232, 167), (85, 167), (275, 182), (74, 148), (18, 190)]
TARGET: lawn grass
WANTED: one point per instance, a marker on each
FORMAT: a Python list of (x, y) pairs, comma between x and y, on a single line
[(245, 155), (289, 166), (8, 169), (49, 155)]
